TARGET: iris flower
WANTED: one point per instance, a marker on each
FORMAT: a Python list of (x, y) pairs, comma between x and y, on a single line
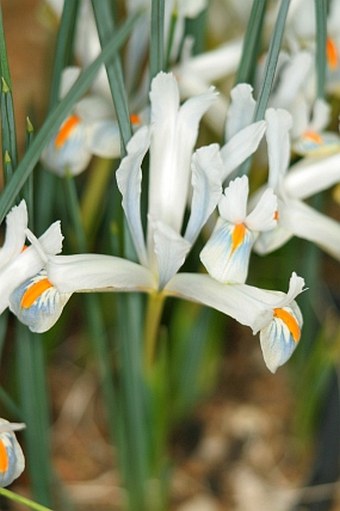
[(12, 461), (18, 263), (90, 129), (292, 185), (178, 179)]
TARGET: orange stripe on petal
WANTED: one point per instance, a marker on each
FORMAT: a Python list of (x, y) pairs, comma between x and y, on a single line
[(34, 292), (4, 461), (66, 129), (332, 54), (237, 236), (313, 136), (290, 322)]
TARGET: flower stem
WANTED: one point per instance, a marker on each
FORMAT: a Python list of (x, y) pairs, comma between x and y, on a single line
[(23, 500), (152, 321)]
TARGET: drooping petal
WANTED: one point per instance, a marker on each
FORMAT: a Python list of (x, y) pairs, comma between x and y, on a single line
[(312, 175), (174, 133), (28, 263), (317, 144), (277, 135), (280, 337), (129, 177), (16, 224), (263, 216), (233, 203), (241, 146), (170, 249), (237, 300), (207, 169), (94, 272), (12, 461), (241, 110), (226, 254), (70, 155), (37, 303)]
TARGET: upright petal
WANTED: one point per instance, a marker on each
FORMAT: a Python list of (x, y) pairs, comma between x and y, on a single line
[(207, 168), (174, 133), (16, 224), (241, 146), (170, 251), (129, 178), (241, 110), (233, 204), (277, 135), (104, 139), (264, 215)]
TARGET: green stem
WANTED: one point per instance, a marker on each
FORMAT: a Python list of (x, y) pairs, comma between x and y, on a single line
[(152, 321), (23, 500)]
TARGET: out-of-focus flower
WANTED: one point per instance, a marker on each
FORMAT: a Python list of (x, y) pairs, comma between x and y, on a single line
[(90, 129), (304, 179), (12, 461), (18, 263), (227, 252)]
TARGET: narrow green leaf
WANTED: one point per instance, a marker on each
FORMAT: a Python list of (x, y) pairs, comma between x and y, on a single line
[(157, 38), (106, 27), (64, 46), (251, 43), (271, 62), (321, 37), (56, 117)]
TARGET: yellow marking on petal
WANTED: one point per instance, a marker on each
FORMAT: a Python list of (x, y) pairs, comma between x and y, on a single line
[(135, 119), (313, 136), (4, 461), (290, 322), (237, 236), (332, 54), (33, 292), (65, 131), (276, 215)]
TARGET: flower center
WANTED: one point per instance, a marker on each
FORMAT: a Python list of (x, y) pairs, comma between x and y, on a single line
[(290, 322), (65, 131), (33, 292), (3, 458)]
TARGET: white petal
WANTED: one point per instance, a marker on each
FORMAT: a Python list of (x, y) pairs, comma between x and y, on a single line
[(293, 77), (68, 78), (226, 259), (170, 250), (207, 169), (174, 133), (312, 175), (277, 134), (11, 426), (233, 204), (129, 177), (307, 223), (52, 239), (276, 340), (44, 311), (262, 218), (16, 224), (241, 110), (104, 139), (321, 115), (95, 108), (241, 146), (235, 300), (94, 272), (73, 156), (16, 460)]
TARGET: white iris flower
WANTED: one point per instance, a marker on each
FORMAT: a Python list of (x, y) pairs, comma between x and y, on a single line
[(12, 461)]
